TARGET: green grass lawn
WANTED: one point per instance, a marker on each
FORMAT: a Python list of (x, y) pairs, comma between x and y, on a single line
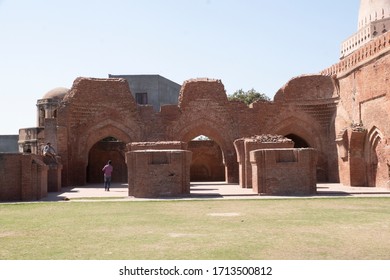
[(326, 228)]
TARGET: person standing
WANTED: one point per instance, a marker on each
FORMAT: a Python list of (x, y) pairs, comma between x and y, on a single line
[(107, 170), (48, 151)]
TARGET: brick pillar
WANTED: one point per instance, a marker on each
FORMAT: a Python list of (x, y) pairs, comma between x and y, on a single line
[(284, 171), (158, 173), (54, 177), (240, 151), (33, 177), (244, 146)]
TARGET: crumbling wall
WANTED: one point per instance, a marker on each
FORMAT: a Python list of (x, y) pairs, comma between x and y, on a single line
[(23, 177), (98, 108), (158, 172), (363, 114), (205, 110), (246, 145), (284, 171), (92, 110)]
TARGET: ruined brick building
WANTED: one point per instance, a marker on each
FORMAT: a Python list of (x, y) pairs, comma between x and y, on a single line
[(342, 113)]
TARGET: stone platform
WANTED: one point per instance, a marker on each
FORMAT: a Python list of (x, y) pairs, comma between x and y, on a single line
[(207, 190)]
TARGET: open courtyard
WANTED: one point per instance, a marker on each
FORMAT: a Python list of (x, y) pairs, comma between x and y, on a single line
[(211, 224)]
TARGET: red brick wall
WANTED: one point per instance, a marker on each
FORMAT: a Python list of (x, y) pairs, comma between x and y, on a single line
[(245, 146), (205, 110), (93, 110), (364, 99), (364, 105), (158, 173), (315, 108), (319, 109), (22, 177), (98, 108), (284, 171)]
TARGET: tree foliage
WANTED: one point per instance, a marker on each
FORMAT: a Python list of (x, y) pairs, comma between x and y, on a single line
[(248, 97)]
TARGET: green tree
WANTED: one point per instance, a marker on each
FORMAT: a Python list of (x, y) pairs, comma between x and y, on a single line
[(248, 97)]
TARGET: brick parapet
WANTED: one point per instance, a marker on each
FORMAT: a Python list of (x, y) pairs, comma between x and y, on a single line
[(370, 51)]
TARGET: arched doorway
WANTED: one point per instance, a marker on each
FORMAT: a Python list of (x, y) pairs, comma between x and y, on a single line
[(189, 131), (321, 173), (207, 160), (108, 148), (299, 142)]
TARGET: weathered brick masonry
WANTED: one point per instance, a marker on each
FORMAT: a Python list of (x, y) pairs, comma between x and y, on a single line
[(342, 113), (22, 177), (158, 169), (284, 171), (207, 162), (244, 146), (95, 109), (363, 112)]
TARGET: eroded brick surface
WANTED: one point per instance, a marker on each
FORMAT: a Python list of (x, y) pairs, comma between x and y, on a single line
[(342, 113)]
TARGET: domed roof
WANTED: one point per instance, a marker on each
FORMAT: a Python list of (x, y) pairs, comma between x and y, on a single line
[(372, 10), (56, 93)]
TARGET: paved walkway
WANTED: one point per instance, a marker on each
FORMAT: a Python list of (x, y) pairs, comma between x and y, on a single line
[(205, 190)]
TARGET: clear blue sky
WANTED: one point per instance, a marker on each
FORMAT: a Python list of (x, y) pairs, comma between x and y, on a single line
[(258, 44)]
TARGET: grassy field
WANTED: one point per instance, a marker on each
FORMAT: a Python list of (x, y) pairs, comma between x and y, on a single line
[(300, 229)]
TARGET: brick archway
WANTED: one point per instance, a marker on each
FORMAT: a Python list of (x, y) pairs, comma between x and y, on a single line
[(207, 161), (106, 149), (308, 136), (208, 128), (299, 128), (94, 135), (107, 129), (299, 142), (377, 175)]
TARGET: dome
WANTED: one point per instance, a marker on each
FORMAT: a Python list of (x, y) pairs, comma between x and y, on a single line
[(372, 10), (56, 93)]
